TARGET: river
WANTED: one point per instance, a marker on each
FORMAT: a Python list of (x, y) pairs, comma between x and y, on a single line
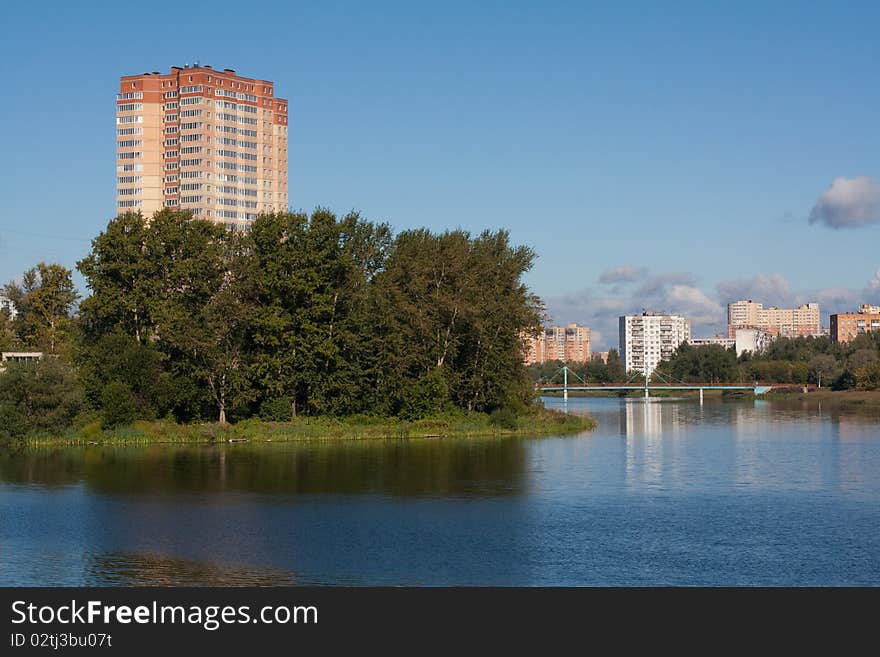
[(662, 493)]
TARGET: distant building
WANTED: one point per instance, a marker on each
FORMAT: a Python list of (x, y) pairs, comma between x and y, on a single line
[(751, 340), (845, 327), (720, 340), (649, 338), (8, 306), (780, 322), (569, 343), (600, 356)]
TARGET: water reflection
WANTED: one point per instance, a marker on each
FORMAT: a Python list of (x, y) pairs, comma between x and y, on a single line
[(663, 492), (126, 569), (395, 467)]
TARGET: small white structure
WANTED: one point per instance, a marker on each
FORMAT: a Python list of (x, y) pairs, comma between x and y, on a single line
[(19, 357), (720, 340), (751, 340), (8, 306)]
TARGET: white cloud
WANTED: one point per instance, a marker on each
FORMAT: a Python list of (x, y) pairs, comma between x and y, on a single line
[(872, 289), (769, 289), (695, 305), (848, 203), (622, 274)]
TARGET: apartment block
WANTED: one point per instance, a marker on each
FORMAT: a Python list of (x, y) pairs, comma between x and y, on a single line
[(569, 343), (211, 142), (779, 322), (846, 327), (649, 338)]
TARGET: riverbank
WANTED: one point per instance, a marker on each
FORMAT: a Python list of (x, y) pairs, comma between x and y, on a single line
[(360, 427), (846, 397)]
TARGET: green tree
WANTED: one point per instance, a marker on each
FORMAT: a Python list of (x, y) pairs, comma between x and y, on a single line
[(44, 300), (38, 398), (118, 403), (615, 370), (124, 279), (868, 377), (7, 334), (822, 367), (429, 396), (458, 302)]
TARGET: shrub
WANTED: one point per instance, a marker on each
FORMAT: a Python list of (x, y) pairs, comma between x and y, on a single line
[(276, 410), (118, 403), (427, 397), (41, 397), (504, 418)]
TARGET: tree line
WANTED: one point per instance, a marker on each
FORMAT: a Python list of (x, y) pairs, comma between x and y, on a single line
[(801, 360), (301, 314)]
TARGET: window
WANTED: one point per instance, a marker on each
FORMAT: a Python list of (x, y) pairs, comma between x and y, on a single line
[(129, 143), (120, 120)]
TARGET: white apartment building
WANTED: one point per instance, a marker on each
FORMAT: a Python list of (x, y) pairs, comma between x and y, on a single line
[(649, 338)]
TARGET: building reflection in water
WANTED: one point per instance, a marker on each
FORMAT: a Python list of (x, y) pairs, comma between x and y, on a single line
[(652, 428)]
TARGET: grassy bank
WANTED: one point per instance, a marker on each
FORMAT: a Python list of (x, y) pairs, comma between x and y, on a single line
[(539, 422), (845, 397)]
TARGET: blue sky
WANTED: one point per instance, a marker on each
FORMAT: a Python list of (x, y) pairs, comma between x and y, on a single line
[(681, 143)]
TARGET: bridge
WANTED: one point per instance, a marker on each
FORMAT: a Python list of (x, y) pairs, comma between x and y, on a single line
[(565, 388)]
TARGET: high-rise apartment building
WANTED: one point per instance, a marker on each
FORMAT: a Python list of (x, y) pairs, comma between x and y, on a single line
[(778, 322), (846, 327), (649, 338), (211, 142), (569, 343)]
